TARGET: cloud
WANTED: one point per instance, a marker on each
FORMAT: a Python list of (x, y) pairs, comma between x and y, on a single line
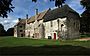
[(15, 21), (21, 9), (8, 22)]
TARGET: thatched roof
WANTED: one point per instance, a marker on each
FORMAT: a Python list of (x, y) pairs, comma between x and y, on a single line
[(58, 13)]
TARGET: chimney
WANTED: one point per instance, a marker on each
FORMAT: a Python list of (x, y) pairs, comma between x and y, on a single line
[(49, 8), (26, 16), (36, 11), (19, 19)]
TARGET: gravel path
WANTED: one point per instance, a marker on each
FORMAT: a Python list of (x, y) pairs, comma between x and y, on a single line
[(84, 39)]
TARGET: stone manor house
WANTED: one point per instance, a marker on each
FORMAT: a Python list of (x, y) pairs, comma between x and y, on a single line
[(59, 23)]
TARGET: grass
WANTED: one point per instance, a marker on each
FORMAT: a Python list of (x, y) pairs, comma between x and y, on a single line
[(12, 42), (16, 46)]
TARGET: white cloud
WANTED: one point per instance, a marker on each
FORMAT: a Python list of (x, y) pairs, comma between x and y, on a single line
[(15, 21), (8, 22)]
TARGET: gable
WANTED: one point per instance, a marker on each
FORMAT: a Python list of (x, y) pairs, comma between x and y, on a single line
[(22, 21)]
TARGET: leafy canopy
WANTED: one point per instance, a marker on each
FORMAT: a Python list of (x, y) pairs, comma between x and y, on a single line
[(86, 4), (5, 7)]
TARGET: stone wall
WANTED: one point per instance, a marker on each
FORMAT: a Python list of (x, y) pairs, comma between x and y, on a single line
[(73, 26)]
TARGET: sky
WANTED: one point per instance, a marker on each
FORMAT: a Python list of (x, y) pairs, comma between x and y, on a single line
[(23, 7)]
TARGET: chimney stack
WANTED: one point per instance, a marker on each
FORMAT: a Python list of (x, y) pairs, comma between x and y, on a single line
[(26, 16), (36, 11), (49, 8), (19, 19)]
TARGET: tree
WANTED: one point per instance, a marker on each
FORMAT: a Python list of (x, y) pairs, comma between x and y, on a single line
[(58, 3), (10, 32), (2, 31), (85, 16), (86, 4), (5, 7)]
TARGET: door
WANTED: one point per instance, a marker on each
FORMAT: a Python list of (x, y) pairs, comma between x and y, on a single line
[(21, 35), (55, 36)]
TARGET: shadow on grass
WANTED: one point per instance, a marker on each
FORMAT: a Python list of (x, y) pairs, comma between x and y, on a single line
[(47, 50)]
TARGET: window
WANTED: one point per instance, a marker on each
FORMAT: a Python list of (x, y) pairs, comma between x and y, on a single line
[(21, 35), (74, 23), (51, 24), (21, 30), (20, 26), (62, 25), (58, 20), (39, 25)]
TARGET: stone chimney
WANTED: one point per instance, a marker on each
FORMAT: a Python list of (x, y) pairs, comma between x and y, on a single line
[(19, 19), (36, 11), (26, 16), (49, 8)]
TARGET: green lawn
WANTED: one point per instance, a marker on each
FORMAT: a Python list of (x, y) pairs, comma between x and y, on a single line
[(23, 46), (12, 42)]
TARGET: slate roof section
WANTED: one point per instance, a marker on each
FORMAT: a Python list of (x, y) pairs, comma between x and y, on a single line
[(49, 14), (31, 19), (22, 21), (58, 13)]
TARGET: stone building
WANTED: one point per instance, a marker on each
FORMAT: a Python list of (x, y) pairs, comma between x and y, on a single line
[(62, 23), (59, 23), (19, 28)]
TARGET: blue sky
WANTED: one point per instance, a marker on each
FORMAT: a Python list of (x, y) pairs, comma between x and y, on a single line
[(23, 7)]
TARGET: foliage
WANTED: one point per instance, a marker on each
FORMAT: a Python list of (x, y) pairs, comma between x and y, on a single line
[(10, 32), (5, 7), (2, 31), (85, 19), (86, 4)]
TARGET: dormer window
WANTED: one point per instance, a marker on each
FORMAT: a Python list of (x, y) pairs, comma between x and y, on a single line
[(51, 24), (62, 25)]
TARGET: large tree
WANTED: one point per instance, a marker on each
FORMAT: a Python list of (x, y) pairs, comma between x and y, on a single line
[(2, 31), (85, 16), (10, 32), (58, 3), (5, 7), (86, 4)]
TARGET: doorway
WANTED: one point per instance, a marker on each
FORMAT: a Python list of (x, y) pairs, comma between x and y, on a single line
[(55, 36), (21, 35)]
